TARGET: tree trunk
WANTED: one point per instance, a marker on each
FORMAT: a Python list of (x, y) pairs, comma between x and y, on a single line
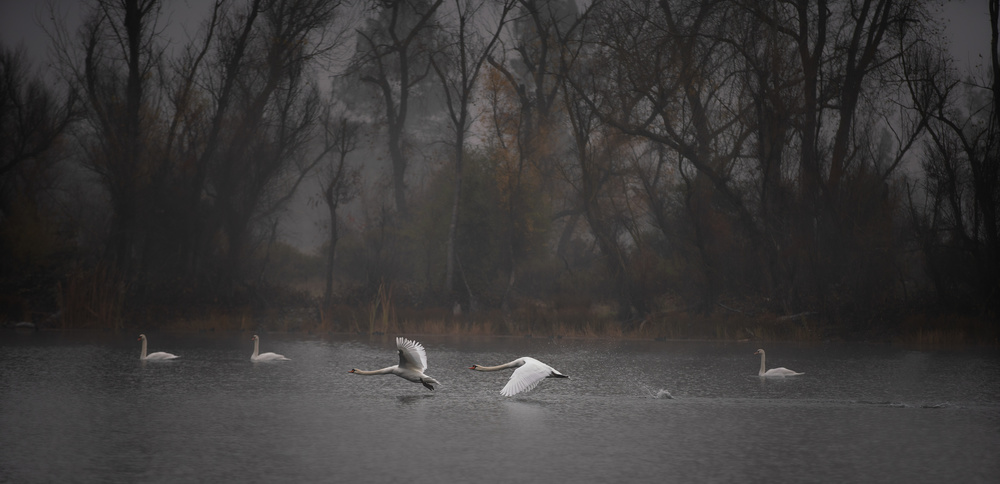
[(453, 224), (331, 252)]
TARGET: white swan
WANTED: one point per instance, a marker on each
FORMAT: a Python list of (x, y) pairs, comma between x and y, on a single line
[(159, 355), (264, 356), (412, 364), (529, 373), (773, 371)]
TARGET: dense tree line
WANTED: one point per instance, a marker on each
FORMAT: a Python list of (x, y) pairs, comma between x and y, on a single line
[(819, 157)]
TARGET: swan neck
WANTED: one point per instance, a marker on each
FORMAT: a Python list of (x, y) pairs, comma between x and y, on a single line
[(383, 371), (498, 367), (142, 356), (763, 369), (256, 347), (488, 368)]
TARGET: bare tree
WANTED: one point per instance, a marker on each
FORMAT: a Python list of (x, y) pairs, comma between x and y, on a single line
[(114, 68), (598, 173), (716, 83), (662, 75), (264, 116), (339, 182), (32, 120), (33, 126), (393, 55), (458, 67), (196, 151), (826, 141), (957, 224), (528, 131)]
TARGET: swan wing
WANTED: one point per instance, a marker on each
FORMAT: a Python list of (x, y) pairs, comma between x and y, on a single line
[(411, 354), (526, 377)]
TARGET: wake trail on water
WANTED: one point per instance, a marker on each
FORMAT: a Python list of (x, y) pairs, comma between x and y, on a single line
[(660, 394)]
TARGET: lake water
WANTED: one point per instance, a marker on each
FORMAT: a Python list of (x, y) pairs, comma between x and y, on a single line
[(80, 407)]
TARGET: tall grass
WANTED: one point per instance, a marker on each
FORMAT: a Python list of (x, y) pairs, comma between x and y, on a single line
[(947, 330), (93, 298), (97, 297), (381, 310)]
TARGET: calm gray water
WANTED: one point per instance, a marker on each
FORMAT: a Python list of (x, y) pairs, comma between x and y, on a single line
[(80, 407)]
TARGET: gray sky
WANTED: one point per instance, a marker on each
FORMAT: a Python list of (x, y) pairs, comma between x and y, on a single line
[(967, 24), (967, 30), (20, 20)]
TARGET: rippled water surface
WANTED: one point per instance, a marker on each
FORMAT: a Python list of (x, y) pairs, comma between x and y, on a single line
[(81, 407)]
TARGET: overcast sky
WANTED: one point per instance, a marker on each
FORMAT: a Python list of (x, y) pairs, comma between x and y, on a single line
[(22, 20), (967, 24)]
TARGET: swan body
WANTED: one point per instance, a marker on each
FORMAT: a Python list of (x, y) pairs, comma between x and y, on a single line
[(412, 364), (529, 373), (264, 356), (773, 371), (159, 355)]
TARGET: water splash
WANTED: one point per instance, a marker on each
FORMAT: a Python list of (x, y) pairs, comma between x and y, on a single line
[(660, 394), (937, 405)]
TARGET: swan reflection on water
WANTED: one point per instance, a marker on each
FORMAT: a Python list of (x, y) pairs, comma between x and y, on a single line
[(532, 402), (411, 399), (526, 412)]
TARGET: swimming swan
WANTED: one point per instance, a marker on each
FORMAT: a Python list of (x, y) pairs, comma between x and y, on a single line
[(159, 355), (412, 364), (529, 373), (264, 356), (773, 371)]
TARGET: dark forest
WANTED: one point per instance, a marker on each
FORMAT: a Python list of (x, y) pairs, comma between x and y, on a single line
[(734, 169)]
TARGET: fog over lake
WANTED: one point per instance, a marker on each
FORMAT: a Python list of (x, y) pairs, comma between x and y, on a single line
[(81, 407)]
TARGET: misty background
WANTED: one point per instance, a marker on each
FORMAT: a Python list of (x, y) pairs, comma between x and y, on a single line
[(514, 167)]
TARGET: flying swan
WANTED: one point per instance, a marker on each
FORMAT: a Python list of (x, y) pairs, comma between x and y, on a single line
[(264, 356), (159, 355), (412, 364), (773, 371), (529, 373)]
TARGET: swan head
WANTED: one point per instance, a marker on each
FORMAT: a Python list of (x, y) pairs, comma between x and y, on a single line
[(353, 370), (473, 367), (758, 352), (142, 337), (255, 338)]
